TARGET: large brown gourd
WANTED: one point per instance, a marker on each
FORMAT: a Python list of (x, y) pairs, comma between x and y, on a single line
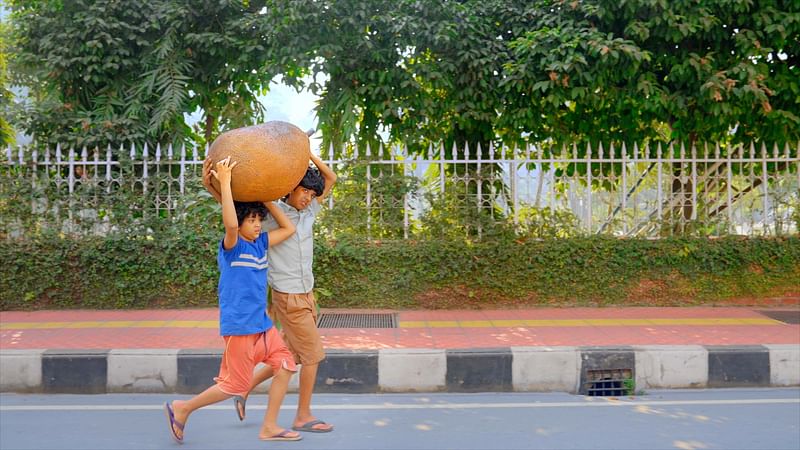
[(272, 159)]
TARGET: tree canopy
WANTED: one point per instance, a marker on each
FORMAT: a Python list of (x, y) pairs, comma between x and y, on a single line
[(706, 70), (6, 132), (417, 71), (106, 71)]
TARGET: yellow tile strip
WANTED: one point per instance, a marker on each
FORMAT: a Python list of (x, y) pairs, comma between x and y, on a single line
[(111, 324), (587, 322)]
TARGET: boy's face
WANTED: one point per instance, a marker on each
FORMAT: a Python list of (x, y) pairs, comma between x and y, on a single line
[(301, 197), (250, 228)]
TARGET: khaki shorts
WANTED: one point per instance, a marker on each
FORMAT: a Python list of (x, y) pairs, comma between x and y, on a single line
[(297, 314)]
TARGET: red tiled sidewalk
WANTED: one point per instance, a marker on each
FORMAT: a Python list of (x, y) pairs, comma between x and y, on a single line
[(197, 328)]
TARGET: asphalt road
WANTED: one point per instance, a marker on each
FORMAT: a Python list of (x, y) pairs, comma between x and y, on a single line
[(676, 419)]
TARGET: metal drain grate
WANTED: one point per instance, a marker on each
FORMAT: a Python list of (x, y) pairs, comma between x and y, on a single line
[(785, 316), (609, 383), (347, 320)]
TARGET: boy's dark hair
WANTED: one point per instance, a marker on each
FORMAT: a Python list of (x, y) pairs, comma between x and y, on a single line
[(313, 180), (245, 209)]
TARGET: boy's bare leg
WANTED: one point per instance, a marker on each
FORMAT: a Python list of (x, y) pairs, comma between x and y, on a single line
[(308, 377), (183, 408), (263, 374), (277, 391)]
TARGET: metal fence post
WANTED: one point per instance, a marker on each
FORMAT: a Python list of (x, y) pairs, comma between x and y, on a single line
[(369, 192), (694, 182), (765, 184), (332, 164), (512, 165), (589, 187), (624, 189)]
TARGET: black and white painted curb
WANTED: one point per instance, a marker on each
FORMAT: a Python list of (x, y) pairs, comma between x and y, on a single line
[(533, 369)]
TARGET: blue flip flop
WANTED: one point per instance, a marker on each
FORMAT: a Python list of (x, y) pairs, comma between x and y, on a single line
[(309, 427), (173, 422)]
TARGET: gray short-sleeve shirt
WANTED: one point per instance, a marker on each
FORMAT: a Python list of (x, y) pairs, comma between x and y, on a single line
[(291, 261)]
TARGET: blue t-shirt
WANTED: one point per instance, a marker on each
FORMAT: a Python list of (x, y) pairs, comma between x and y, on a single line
[(243, 287)]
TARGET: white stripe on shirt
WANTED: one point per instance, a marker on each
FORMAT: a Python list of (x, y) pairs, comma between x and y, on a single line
[(249, 264), (258, 260)]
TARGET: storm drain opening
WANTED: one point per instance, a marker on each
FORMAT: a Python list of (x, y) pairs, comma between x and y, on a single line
[(347, 320), (609, 382)]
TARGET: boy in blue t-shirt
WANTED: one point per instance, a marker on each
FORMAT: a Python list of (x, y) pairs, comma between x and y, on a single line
[(248, 332)]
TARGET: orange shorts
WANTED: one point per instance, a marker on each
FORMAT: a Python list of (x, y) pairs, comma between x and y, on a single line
[(297, 314), (243, 353)]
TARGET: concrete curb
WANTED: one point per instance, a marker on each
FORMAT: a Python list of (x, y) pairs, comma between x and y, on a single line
[(530, 369)]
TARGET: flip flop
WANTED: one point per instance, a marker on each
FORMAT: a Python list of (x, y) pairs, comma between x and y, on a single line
[(283, 436), (237, 401), (173, 422), (309, 427)]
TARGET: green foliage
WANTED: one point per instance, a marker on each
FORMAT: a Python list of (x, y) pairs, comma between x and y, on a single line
[(552, 72), (113, 253), (451, 214), (796, 216), (477, 72), (609, 71), (629, 384), (592, 270), (517, 70), (461, 61), (384, 219), (454, 214), (6, 97), (474, 72), (118, 253), (116, 272), (108, 72), (175, 267), (354, 52), (80, 60), (36, 201), (546, 223)]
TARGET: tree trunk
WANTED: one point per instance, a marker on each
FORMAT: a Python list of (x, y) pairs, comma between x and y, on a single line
[(210, 126)]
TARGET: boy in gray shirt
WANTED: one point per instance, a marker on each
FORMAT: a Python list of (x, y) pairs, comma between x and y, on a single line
[(291, 280)]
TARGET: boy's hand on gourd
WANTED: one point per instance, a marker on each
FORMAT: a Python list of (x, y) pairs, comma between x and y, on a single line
[(223, 170), (207, 164)]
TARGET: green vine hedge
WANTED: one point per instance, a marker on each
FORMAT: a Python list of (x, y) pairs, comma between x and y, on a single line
[(175, 269)]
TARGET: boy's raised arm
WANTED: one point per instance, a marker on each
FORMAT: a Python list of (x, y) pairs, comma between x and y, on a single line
[(285, 226), (223, 175), (327, 174)]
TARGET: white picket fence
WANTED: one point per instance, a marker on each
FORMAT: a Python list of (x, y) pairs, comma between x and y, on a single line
[(639, 191)]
